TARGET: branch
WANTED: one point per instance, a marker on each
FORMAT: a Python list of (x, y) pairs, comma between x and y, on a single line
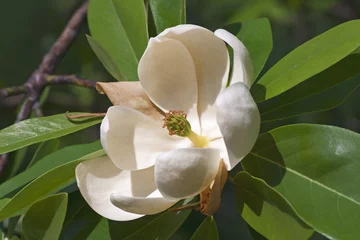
[(42, 77)]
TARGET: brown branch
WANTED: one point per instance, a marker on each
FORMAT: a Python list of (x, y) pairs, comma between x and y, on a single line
[(11, 91), (42, 77)]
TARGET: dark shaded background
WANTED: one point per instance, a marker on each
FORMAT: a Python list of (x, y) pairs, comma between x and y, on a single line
[(28, 28)]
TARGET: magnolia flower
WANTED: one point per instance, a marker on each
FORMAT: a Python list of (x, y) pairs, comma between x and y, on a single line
[(185, 73)]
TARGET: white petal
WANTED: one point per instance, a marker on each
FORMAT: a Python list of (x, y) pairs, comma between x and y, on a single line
[(219, 143), (212, 64), (167, 74), (133, 140), (182, 173), (239, 121), (99, 179), (243, 67), (152, 204)]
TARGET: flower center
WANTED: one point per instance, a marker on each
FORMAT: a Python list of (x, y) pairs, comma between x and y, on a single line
[(177, 124)]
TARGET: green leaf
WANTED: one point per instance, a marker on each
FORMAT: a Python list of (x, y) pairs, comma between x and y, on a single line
[(323, 91), (80, 219), (50, 182), (316, 169), (168, 14), (259, 205), (207, 230), (45, 218), (40, 129), (119, 27), (47, 163), (257, 37), (44, 149), (309, 59), (160, 226), (109, 64)]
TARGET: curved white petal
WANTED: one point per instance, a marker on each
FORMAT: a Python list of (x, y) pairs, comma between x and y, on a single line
[(239, 121), (99, 180), (182, 173), (167, 74), (243, 67), (133, 140), (152, 204), (219, 143), (211, 59)]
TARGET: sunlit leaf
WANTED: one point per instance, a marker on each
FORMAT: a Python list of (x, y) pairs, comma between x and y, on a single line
[(323, 91), (266, 211), (168, 14), (308, 59), (50, 182), (47, 163), (119, 27), (40, 129), (316, 169)]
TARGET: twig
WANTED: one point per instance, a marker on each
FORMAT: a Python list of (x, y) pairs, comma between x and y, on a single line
[(42, 77)]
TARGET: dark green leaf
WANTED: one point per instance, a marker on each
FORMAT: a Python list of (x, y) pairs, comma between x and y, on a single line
[(109, 63), (120, 28), (168, 14), (207, 230), (80, 219), (257, 37), (44, 149), (160, 226), (316, 169), (50, 182), (47, 163), (321, 92), (45, 218), (266, 211), (309, 59), (40, 129)]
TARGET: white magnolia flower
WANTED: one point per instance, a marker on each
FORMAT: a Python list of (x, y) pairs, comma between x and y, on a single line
[(146, 170)]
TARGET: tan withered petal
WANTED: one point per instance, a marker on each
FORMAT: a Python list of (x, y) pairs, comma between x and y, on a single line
[(210, 198), (130, 94)]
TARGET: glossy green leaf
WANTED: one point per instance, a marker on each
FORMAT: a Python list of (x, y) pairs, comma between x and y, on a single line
[(45, 148), (316, 169), (119, 27), (160, 226), (50, 182), (36, 130), (45, 218), (309, 59), (323, 91), (80, 219), (257, 37), (168, 14), (207, 230), (47, 163), (266, 211), (107, 61)]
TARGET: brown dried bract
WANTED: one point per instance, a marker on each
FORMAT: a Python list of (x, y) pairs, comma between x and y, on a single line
[(210, 198), (132, 95)]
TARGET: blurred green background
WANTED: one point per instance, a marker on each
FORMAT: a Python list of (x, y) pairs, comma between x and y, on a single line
[(29, 28)]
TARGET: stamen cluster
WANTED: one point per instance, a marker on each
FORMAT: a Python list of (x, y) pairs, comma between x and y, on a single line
[(176, 123)]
